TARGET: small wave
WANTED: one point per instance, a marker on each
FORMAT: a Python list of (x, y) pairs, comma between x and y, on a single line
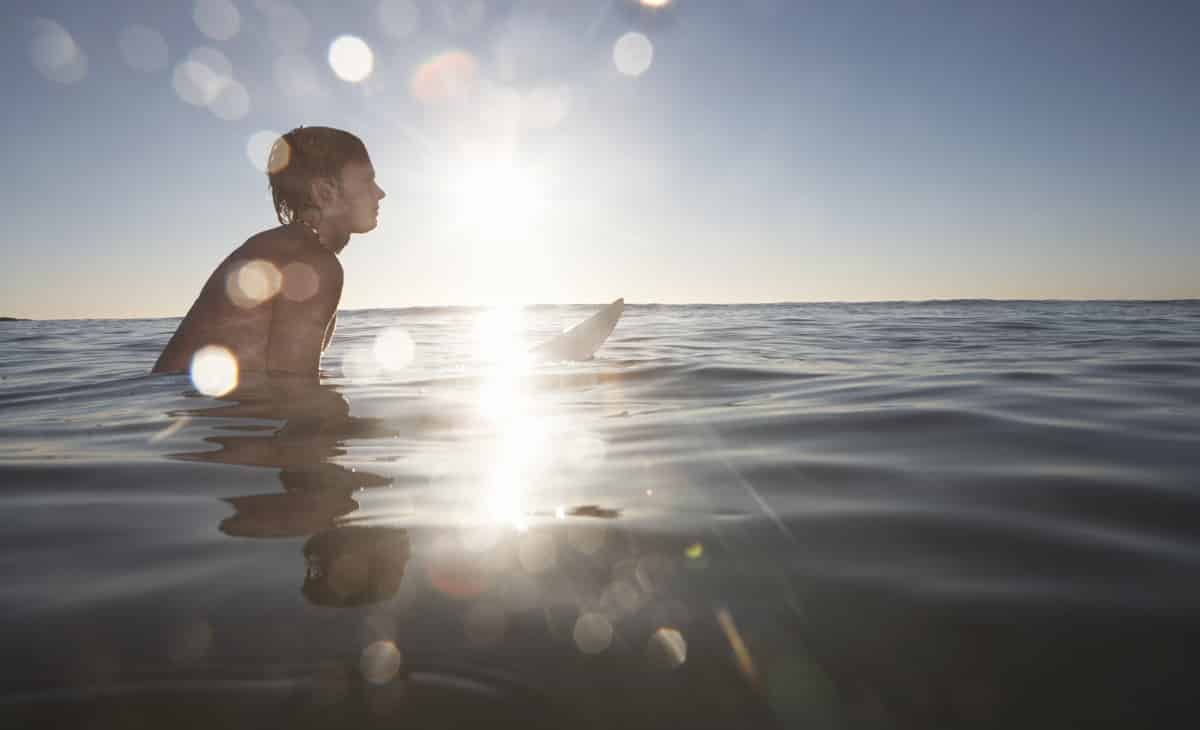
[(957, 302), (1171, 343), (1017, 326), (85, 391), (1148, 368), (794, 320), (1028, 376)]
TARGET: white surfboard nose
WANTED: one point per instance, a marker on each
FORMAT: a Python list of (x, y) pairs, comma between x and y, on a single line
[(581, 341)]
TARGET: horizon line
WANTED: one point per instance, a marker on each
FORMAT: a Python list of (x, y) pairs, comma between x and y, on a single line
[(936, 300)]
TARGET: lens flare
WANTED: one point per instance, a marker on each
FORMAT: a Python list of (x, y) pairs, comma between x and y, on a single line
[(55, 53), (144, 49), (351, 58), (633, 53), (380, 661), (214, 370), (53, 46), (259, 280), (189, 82), (745, 662), (666, 649), (217, 19), (231, 103), (300, 281), (258, 151), (655, 4), (216, 61), (252, 283), (445, 77), (593, 633), (280, 157), (199, 78)]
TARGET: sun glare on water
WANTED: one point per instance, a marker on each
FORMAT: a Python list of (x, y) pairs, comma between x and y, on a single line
[(499, 339), (519, 459), (505, 407)]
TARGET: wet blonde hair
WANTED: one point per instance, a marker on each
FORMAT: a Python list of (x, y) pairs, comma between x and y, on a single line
[(303, 155)]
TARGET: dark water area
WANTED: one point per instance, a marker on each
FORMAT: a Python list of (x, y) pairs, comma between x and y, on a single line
[(941, 514)]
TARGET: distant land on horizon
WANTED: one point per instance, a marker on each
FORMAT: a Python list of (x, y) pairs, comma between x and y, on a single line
[(14, 319)]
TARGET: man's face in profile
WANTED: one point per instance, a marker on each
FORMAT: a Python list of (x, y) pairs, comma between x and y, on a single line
[(358, 203)]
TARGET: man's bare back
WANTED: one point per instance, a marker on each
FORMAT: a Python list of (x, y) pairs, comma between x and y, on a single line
[(273, 301)]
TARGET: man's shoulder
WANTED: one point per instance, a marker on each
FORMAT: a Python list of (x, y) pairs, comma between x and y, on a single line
[(279, 262), (285, 244), (304, 273)]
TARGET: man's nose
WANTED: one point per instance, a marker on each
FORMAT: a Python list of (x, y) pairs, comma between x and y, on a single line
[(382, 194)]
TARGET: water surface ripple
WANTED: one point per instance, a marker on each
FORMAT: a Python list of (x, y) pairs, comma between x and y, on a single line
[(948, 513)]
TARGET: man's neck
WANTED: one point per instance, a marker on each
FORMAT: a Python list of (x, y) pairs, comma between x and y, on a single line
[(335, 241), (329, 236)]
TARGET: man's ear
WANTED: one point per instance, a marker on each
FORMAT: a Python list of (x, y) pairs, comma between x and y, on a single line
[(324, 191)]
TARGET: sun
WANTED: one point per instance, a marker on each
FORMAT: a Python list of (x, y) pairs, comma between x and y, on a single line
[(498, 198), (498, 212)]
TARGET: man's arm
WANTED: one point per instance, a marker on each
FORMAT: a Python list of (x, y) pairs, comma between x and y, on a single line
[(299, 330), (329, 332)]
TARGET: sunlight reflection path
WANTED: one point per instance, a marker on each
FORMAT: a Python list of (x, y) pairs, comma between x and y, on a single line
[(504, 405)]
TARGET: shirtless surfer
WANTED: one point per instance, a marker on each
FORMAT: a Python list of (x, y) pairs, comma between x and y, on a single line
[(272, 303)]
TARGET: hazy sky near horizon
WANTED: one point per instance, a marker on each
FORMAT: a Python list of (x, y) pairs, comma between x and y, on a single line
[(577, 151)]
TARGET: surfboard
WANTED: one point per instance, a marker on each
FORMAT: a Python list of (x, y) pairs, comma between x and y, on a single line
[(581, 341)]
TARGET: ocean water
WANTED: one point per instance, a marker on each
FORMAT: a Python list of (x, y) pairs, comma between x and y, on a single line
[(942, 514)]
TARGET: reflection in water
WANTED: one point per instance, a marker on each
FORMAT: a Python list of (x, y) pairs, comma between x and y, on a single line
[(346, 565), (897, 596), (525, 590), (291, 514), (352, 566)]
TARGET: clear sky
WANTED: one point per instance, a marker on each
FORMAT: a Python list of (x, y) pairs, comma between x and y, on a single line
[(581, 150)]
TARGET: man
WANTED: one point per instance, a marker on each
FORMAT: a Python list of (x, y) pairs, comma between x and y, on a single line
[(272, 302)]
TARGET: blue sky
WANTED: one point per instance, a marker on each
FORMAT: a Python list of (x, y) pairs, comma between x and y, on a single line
[(771, 150)]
